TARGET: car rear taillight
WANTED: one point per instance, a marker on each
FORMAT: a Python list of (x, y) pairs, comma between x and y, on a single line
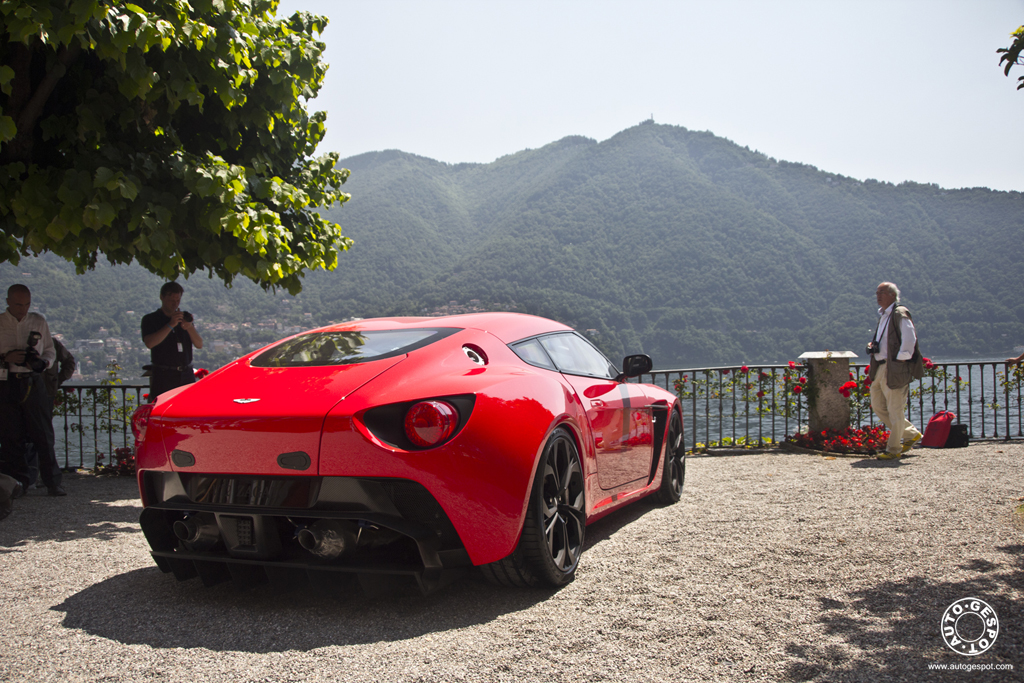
[(428, 423), (140, 418)]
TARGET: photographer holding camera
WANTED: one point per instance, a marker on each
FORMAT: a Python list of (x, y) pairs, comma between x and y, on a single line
[(26, 350), (895, 361), (170, 336)]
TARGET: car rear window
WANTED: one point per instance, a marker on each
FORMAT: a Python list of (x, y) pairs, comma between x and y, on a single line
[(347, 347)]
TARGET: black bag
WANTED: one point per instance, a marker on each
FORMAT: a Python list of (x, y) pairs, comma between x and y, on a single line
[(959, 437)]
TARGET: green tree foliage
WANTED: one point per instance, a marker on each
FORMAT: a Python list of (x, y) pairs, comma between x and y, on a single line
[(166, 132), (1011, 55)]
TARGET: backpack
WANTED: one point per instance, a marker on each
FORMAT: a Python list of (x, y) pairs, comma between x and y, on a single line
[(937, 432)]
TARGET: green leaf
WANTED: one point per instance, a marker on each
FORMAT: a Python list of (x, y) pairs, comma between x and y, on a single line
[(106, 213), (8, 130), (6, 76)]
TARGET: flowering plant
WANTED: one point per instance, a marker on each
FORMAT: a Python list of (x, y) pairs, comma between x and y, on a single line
[(123, 463), (867, 440), (1011, 381), (780, 391), (200, 373), (941, 383)]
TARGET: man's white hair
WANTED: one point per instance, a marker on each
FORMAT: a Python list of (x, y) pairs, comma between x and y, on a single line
[(891, 288)]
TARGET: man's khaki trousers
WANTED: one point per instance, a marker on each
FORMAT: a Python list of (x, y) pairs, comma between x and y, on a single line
[(891, 407)]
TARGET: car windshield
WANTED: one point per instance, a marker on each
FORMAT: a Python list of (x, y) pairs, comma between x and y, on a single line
[(345, 348)]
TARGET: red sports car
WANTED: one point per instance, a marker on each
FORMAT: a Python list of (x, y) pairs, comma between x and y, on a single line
[(404, 446)]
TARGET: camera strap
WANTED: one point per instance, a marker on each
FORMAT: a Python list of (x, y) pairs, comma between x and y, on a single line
[(878, 335)]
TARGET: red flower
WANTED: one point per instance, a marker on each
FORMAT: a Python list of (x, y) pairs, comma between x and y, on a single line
[(201, 373), (928, 364), (851, 376), (760, 394), (765, 375), (744, 369), (848, 386), (797, 389), (803, 380), (725, 372), (792, 365)]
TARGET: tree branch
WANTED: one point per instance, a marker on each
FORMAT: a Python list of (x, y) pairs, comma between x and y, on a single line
[(30, 114)]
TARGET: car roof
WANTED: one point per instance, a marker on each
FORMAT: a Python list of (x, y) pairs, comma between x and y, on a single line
[(508, 327)]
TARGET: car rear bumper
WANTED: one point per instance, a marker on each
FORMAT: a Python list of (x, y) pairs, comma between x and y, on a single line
[(258, 528)]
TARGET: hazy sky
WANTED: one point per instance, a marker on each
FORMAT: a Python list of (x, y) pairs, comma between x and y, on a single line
[(893, 90)]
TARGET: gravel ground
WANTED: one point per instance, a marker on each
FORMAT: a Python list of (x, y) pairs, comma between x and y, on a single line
[(777, 567)]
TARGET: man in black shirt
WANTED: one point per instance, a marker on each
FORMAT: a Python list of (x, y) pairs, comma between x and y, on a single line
[(170, 335)]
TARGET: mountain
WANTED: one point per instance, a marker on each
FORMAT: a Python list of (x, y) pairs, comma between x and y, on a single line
[(664, 240), (686, 246)]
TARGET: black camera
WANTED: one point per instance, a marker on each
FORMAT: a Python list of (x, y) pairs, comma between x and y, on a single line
[(186, 316), (32, 360), (873, 347)]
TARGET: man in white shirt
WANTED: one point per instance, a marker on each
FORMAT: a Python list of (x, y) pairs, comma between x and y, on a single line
[(895, 361), (26, 350)]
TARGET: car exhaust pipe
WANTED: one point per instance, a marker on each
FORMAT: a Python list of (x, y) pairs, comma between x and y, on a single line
[(327, 538), (198, 531)]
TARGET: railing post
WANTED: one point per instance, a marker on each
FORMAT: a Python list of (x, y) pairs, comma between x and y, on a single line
[(827, 371)]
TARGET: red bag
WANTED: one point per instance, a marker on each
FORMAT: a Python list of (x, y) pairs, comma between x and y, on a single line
[(937, 431)]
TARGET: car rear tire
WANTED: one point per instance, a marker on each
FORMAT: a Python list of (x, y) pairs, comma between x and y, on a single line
[(674, 474), (549, 548)]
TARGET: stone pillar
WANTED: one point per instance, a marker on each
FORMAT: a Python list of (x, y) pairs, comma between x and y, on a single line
[(826, 372)]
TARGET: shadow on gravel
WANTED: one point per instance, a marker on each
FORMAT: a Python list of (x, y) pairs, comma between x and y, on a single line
[(875, 464), (95, 507), (898, 624), (149, 607), (606, 527)]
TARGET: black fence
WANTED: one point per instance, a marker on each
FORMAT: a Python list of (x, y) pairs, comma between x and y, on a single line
[(92, 420), (741, 406), (723, 407)]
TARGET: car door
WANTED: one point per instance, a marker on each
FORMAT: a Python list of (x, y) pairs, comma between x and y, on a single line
[(619, 414)]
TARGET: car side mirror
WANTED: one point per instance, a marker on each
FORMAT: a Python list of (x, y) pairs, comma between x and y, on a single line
[(635, 365)]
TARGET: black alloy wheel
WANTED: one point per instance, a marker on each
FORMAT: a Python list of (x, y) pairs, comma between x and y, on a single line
[(553, 532), (563, 510), (674, 474)]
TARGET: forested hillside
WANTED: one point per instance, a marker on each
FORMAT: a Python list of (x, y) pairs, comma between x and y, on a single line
[(663, 240), (686, 246)]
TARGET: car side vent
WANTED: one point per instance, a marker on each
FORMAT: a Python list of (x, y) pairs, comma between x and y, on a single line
[(294, 461), (183, 458)]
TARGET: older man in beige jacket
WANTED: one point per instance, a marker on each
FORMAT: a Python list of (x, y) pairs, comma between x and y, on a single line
[(895, 361)]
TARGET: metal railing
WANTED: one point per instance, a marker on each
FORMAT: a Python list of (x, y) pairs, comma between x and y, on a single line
[(93, 419), (727, 406), (741, 406)]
